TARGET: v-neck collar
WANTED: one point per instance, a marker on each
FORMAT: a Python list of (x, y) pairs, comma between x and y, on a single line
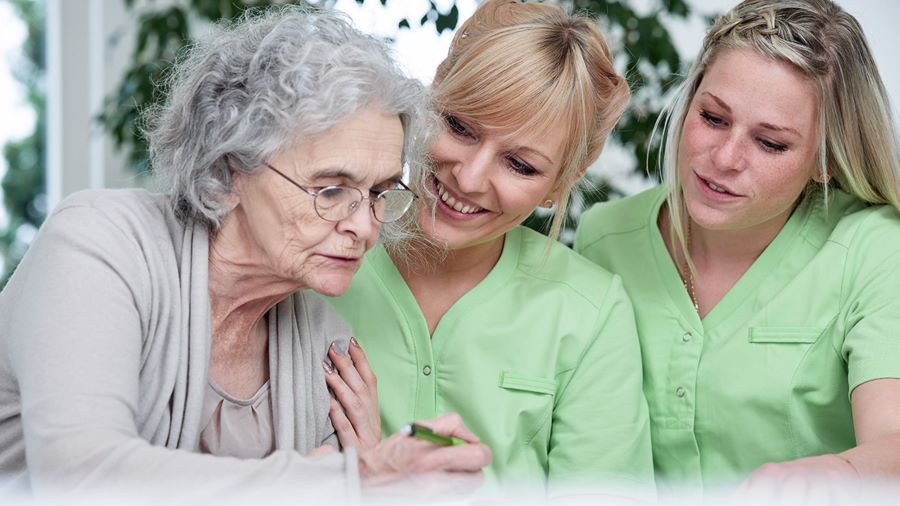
[(486, 288), (746, 285)]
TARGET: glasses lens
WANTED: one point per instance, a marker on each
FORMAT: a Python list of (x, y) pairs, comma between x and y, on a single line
[(334, 203), (391, 205)]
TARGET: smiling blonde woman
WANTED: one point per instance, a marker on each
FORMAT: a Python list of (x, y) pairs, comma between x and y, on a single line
[(534, 346)]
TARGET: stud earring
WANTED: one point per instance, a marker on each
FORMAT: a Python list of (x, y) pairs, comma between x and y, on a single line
[(548, 203)]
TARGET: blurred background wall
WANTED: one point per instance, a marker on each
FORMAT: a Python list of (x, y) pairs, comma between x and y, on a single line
[(74, 74)]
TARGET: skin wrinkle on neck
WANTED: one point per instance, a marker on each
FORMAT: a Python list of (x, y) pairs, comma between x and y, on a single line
[(240, 293), (241, 287)]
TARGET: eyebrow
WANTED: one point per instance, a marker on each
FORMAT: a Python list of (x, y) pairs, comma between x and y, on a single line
[(535, 152), (335, 173), (719, 101), (768, 126), (780, 128), (339, 173)]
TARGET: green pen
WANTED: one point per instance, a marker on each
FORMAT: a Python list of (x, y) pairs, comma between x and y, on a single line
[(425, 434)]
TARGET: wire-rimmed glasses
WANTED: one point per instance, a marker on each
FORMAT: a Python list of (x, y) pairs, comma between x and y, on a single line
[(334, 203)]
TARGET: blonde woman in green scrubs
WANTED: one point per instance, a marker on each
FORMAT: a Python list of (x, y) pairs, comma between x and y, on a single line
[(534, 346), (765, 273)]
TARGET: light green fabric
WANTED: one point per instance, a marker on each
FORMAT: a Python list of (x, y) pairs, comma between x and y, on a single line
[(767, 375), (541, 362)]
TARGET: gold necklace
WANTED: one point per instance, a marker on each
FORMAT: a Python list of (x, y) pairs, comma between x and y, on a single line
[(686, 276)]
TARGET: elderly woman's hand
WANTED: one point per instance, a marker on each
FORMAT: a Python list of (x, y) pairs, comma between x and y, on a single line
[(423, 467), (354, 409)]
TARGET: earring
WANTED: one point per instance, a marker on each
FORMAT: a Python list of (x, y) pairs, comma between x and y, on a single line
[(822, 179), (548, 203)]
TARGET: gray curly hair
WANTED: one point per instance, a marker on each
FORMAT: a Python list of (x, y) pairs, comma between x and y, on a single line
[(257, 85)]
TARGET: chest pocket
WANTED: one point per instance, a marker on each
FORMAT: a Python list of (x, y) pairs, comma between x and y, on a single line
[(785, 335), (530, 400), (775, 355)]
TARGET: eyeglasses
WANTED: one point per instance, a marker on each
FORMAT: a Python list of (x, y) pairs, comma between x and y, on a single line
[(334, 203)]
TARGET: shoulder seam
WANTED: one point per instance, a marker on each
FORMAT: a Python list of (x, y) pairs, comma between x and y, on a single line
[(615, 279)]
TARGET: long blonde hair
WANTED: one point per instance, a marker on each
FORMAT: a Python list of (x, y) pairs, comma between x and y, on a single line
[(858, 144), (519, 67)]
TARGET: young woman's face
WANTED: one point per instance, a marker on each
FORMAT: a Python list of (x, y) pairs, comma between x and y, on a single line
[(488, 184), (748, 146), (286, 231)]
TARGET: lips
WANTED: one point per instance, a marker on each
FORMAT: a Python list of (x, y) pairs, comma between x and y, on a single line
[(454, 201), (342, 258), (715, 188)]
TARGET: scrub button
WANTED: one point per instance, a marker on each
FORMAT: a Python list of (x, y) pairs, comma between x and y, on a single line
[(680, 391), (426, 370), (687, 337)]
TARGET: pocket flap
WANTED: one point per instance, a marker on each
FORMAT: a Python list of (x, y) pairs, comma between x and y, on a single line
[(514, 381), (797, 335)]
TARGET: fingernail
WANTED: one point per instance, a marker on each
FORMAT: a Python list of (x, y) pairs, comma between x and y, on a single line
[(329, 369), (354, 342), (337, 349)]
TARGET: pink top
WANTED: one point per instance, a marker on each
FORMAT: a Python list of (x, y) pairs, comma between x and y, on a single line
[(237, 428)]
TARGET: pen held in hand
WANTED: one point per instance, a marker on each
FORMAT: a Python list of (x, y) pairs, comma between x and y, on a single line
[(425, 434)]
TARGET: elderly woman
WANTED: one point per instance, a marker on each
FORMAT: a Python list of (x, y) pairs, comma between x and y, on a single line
[(146, 338)]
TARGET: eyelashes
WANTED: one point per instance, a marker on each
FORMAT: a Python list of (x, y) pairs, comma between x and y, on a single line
[(521, 167), (766, 144), (456, 126), (710, 119), (772, 147), (464, 132)]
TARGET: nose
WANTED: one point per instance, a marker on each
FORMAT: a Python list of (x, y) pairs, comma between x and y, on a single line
[(729, 154), (472, 170), (361, 223)]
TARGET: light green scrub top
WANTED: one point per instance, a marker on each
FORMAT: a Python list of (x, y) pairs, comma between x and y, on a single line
[(541, 361), (766, 376)]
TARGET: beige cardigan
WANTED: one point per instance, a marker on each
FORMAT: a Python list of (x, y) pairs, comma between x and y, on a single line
[(104, 352)]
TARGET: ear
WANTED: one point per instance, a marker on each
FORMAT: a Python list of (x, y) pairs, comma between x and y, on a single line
[(231, 201), (562, 187), (580, 174), (820, 178), (233, 198), (552, 198)]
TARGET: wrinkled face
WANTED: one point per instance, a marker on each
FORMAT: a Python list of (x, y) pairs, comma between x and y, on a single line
[(297, 245), (488, 184), (749, 143)]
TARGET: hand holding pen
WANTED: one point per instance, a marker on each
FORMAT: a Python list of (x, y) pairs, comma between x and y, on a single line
[(424, 433), (402, 455), (441, 447)]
